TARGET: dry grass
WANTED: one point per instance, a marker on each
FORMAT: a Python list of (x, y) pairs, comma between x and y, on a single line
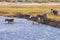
[(33, 10)]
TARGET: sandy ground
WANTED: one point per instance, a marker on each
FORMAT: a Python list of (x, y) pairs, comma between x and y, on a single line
[(26, 4)]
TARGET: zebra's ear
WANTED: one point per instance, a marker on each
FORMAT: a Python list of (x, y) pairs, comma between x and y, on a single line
[(51, 9)]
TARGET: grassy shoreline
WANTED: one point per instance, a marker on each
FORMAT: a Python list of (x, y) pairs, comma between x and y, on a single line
[(32, 10)]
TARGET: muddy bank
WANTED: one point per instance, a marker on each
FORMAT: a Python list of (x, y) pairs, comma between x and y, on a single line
[(47, 21), (51, 22)]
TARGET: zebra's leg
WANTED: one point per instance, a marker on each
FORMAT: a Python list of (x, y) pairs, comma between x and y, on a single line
[(6, 21), (33, 22)]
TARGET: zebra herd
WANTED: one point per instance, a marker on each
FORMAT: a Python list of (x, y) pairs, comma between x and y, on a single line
[(38, 18)]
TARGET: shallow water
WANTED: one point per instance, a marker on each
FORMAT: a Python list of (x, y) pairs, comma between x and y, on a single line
[(23, 29)]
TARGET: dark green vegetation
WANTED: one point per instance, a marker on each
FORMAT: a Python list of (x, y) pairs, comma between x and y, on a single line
[(38, 1)]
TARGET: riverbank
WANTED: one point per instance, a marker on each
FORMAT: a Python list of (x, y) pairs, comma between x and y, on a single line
[(11, 9), (48, 21)]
